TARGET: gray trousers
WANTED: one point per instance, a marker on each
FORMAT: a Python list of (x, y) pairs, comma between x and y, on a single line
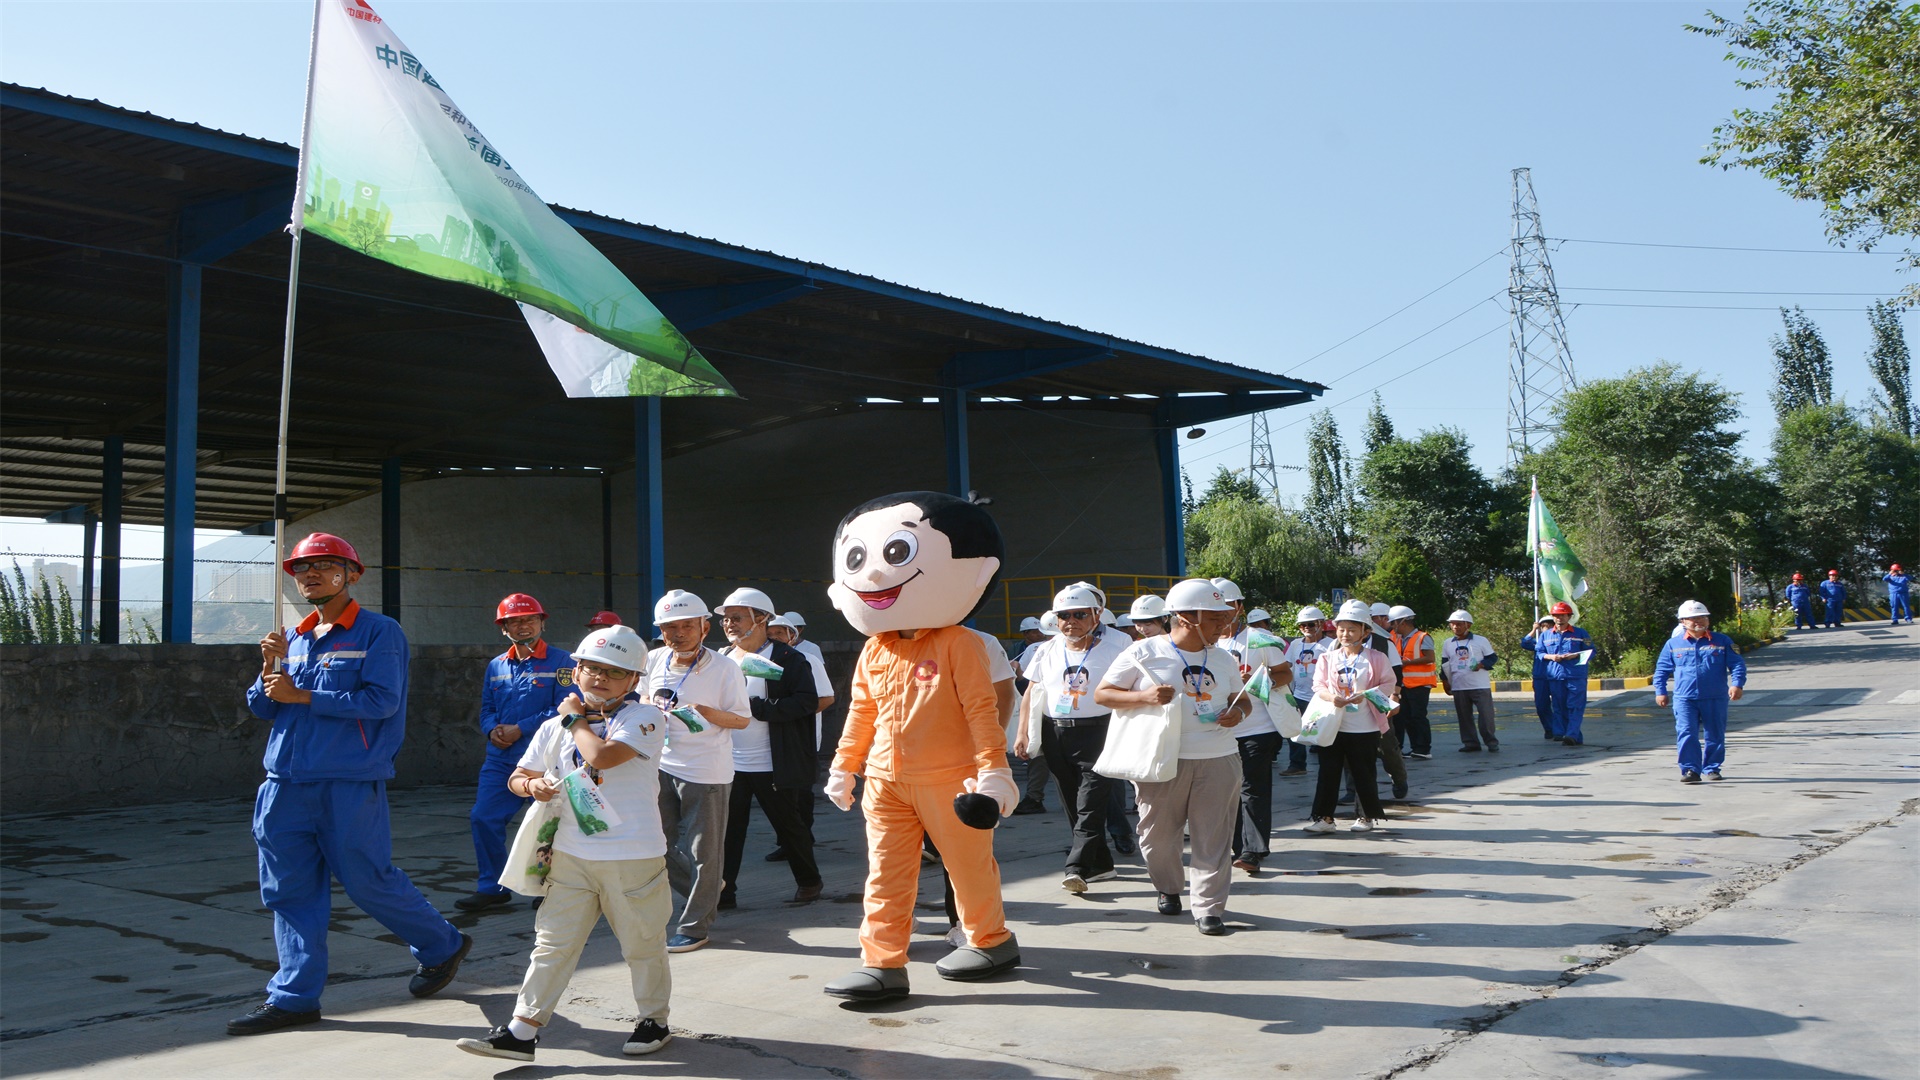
[(694, 819), (1468, 703), (1203, 798)]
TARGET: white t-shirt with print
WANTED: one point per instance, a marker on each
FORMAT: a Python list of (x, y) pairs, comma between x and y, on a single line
[(1303, 654), (1211, 678), (1352, 672), (1258, 722), (999, 668), (753, 744), (1460, 659), (704, 756), (1066, 677), (822, 686), (633, 786)]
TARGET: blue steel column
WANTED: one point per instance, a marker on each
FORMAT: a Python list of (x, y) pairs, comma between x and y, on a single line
[(113, 453), (953, 416), (183, 437), (390, 538), (86, 576), (1166, 438), (649, 506)]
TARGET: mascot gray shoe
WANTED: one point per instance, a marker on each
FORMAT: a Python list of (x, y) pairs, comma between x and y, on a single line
[(870, 984), (967, 964)]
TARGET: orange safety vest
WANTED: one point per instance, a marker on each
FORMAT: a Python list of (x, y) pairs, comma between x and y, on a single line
[(1413, 670)]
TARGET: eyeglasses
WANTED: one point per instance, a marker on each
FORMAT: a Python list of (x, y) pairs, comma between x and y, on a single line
[(1077, 615), (316, 564), (604, 674), (745, 617)]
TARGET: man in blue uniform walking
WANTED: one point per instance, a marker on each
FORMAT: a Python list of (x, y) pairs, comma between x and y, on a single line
[(1565, 647), (1542, 697), (1835, 595), (1897, 592), (1801, 598), (1707, 673), (339, 713), (524, 688)]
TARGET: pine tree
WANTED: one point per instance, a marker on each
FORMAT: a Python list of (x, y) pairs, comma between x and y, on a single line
[(1379, 428), (1329, 507), (1803, 372), (1892, 369)]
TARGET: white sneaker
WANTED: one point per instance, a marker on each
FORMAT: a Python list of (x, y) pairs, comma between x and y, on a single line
[(1363, 825), (957, 937), (1319, 826), (1104, 875), (1074, 883)]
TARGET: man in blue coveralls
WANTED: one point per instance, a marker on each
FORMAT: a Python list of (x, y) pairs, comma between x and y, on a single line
[(1801, 598), (1562, 647), (1897, 590), (1542, 698), (339, 712), (1707, 673), (1835, 595), (524, 688)]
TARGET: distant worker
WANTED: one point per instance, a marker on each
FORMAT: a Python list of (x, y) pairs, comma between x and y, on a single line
[(790, 629), (1542, 698), (1302, 652), (1834, 592), (1466, 665), (1257, 738), (1149, 615), (1385, 748), (1566, 649), (1801, 599), (525, 686), (603, 620), (1897, 592), (1707, 673)]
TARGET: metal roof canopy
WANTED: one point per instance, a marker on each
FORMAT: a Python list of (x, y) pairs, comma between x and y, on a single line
[(111, 217)]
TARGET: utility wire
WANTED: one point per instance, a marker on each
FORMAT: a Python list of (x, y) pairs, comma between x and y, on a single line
[(1496, 254), (1717, 247), (1717, 292)]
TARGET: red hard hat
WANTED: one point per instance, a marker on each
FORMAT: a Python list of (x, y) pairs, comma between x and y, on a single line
[(604, 618), (323, 545), (1833, 573), (1894, 569), (517, 604), (1562, 608), (1798, 576)]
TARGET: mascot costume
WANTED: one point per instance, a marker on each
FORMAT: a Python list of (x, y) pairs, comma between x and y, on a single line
[(923, 728)]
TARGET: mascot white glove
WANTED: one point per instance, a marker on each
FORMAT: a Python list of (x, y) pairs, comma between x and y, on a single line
[(839, 787), (996, 784)]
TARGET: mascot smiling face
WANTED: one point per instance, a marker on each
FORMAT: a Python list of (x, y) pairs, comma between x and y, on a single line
[(916, 560)]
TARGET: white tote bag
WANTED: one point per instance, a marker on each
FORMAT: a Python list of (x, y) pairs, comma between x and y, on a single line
[(531, 856), (1319, 724), (1143, 743)]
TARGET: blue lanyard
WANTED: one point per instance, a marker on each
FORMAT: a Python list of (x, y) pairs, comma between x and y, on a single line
[(691, 668)]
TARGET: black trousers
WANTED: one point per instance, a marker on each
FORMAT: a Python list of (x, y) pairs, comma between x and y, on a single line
[(1070, 754), (1412, 720), (1250, 833), (782, 808), (1350, 751)]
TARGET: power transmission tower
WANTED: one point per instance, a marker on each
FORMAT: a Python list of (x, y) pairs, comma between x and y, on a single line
[(1539, 365), (1260, 469)]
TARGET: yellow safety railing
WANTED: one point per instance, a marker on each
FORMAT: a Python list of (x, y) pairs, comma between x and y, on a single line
[(1023, 597)]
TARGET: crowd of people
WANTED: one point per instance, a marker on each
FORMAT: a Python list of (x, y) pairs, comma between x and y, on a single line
[(635, 769)]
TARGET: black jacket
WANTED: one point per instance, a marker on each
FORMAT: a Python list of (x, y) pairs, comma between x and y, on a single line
[(788, 711)]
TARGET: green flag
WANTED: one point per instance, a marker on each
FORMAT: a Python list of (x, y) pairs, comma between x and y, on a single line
[(1261, 685), (1557, 568), (391, 168)]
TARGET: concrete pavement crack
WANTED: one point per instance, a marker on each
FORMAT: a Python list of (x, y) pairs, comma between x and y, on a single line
[(1671, 919), (735, 1043)]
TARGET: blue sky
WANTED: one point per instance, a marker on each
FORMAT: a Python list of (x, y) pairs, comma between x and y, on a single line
[(1253, 182)]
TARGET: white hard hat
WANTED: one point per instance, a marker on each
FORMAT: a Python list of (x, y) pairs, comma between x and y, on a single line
[(1049, 624), (1357, 611), (1077, 597), (782, 620), (1693, 609), (1377, 609), (795, 619), (615, 646), (1123, 622), (1398, 612), (1228, 590), (1310, 614), (1197, 594), (1106, 617), (1029, 623), (1460, 616), (752, 598), (1148, 606), (1258, 614), (678, 604), (1097, 590)]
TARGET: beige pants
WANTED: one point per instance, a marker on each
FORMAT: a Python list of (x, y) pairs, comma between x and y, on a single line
[(1203, 799), (633, 895)]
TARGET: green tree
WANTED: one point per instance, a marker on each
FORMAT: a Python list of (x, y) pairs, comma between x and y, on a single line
[(1892, 368), (1230, 484), (1503, 614), (1843, 128), (1403, 577), (1802, 369), (1269, 551), (1379, 428), (1893, 533), (1329, 507), (1428, 493), (1821, 465)]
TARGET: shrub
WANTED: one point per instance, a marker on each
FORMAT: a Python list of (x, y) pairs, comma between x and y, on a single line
[(1636, 663)]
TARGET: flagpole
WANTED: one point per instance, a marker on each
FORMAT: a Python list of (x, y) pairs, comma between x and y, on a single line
[(286, 353), (1533, 546)]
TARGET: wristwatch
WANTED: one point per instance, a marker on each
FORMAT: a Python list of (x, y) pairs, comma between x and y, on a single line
[(566, 722)]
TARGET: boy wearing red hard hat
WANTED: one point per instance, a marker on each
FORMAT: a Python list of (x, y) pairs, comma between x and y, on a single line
[(524, 686)]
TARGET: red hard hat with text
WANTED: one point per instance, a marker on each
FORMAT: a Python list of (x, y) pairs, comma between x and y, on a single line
[(1562, 608), (323, 546), (604, 618), (515, 605)]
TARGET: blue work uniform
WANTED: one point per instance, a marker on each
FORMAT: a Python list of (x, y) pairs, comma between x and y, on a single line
[(1801, 598), (322, 812), (1542, 700), (1897, 585), (1701, 669), (1566, 680), (524, 693), (1835, 594)]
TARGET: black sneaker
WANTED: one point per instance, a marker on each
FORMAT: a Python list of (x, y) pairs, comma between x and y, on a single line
[(1469, 749), (1711, 774), (1030, 806), (778, 854), (1169, 903), (648, 1036), (1400, 790), (727, 902), (269, 1017), (1123, 844), (428, 981), (481, 901), (500, 1043), (1689, 777)]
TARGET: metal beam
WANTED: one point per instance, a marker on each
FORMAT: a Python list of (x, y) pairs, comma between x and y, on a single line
[(92, 112), (1206, 408), (953, 416), (113, 456), (1173, 530), (691, 309), (606, 541), (212, 230), (649, 506), (390, 538), (974, 370), (183, 418)]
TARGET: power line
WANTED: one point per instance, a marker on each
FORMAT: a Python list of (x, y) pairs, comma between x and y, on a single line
[(1705, 307), (1717, 247), (1717, 292), (1496, 254)]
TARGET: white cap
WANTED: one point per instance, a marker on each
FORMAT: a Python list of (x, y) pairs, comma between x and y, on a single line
[(678, 604), (1310, 614), (1106, 617), (1398, 612), (1377, 609), (795, 619), (1258, 614), (1357, 611), (1029, 623), (1228, 590), (1197, 594), (1123, 622), (1148, 606), (782, 620), (1460, 616), (1049, 624), (615, 646), (1076, 597), (1693, 609), (752, 598), (1097, 590)]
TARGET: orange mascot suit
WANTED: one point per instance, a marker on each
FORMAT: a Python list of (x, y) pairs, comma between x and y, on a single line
[(923, 728)]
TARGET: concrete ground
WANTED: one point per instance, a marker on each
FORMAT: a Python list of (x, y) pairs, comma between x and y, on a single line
[(1597, 916)]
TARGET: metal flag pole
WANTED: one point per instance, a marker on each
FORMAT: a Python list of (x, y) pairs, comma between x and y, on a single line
[(1533, 548), (286, 354)]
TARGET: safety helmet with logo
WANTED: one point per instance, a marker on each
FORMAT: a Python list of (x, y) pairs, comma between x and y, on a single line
[(1356, 611), (795, 619), (604, 618), (781, 620), (1124, 622), (1147, 606), (1692, 609), (1078, 597), (323, 546), (1029, 623), (749, 598), (1228, 590), (1561, 608), (1798, 576), (1398, 612), (1461, 616), (1097, 590), (677, 604), (516, 605), (1376, 611), (1197, 594), (616, 646), (1310, 614), (1049, 624), (1258, 615)]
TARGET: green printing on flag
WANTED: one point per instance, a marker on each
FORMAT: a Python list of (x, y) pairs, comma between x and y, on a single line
[(1562, 577), (1261, 685), (1261, 639), (1379, 700), (394, 170), (759, 667), (591, 810), (686, 715)]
